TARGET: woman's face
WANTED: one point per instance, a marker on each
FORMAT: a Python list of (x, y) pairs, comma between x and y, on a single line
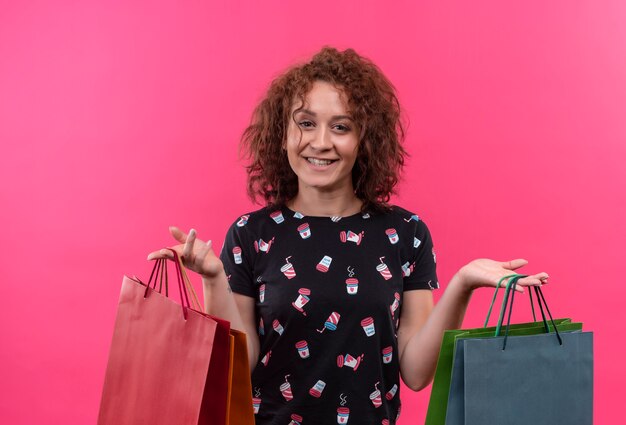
[(322, 140)]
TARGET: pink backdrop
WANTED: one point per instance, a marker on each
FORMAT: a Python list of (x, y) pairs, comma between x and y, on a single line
[(119, 118)]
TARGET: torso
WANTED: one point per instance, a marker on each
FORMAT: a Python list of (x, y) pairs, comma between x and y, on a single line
[(328, 297)]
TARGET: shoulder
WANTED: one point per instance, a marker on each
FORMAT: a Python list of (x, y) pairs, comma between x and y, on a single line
[(258, 223), (253, 217), (407, 220), (403, 215)]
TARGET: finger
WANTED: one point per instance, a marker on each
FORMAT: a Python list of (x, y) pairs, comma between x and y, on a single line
[(188, 248), (204, 250), (514, 264), (534, 280), (178, 234), (163, 253)]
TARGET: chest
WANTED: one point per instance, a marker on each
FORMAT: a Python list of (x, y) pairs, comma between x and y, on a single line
[(307, 271)]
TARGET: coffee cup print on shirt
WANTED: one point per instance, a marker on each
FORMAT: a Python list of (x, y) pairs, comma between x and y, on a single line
[(331, 322), (288, 270), (343, 414), (317, 389), (392, 392), (304, 230), (368, 326), (387, 354), (277, 216), (375, 397), (352, 285), (350, 236), (295, 419), (243, 220), (302, 300), (285, 389), (392, 235), (237, 255), (303, 349), (349, 361), (396, 303), (256, 404), (278, 327), (383, 269), (266, 358), (324, 264)]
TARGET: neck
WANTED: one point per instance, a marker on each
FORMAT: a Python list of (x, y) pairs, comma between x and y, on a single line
[(322, 204)]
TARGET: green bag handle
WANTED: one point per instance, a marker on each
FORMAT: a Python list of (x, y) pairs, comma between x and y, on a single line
[(510, 285), (512, 280), (495, 293), (540, 299)]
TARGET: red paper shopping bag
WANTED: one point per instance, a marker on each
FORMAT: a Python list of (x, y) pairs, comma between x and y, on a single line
[(168, 363)]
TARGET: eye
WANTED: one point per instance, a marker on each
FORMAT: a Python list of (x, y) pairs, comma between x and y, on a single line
[(305, 124), (342, 128)]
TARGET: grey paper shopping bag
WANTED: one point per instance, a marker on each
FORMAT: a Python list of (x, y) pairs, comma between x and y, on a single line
[(455, 412), (535, 380)]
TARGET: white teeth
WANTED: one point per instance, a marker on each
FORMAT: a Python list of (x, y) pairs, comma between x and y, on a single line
[(320, 162)]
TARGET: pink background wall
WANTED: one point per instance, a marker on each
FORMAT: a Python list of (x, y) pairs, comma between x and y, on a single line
[(119, 118)]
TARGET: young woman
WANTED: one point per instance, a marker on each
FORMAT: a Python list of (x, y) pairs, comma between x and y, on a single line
[(332, 285)]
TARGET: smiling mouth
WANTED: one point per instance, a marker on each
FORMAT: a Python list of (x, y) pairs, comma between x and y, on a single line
[(320, 162)]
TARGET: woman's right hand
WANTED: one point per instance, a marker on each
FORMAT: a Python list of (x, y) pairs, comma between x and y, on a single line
[(195, 254)]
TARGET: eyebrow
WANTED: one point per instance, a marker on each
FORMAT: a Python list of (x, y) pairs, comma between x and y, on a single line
[(334, 117)]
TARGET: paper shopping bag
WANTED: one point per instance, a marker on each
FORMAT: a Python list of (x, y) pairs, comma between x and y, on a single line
[(440, 390), (537, 379), (455, 404), (168, 364), (438, 404), (240, 411)]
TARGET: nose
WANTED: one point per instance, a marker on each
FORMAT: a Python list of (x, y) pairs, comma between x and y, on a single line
[(321, 140)]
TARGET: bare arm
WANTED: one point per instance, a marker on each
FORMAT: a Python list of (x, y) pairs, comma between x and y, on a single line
[(421, 329), (422, 325), (220, 301)]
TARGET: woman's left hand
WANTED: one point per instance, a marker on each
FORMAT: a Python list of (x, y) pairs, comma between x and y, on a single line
[(485, 272)]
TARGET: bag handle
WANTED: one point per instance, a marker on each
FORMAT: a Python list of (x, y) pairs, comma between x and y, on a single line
[(540, 300), (503, 308), (157, 268), (493, 299), (160, 274), (188, 285), (510, 287), (512, 281)]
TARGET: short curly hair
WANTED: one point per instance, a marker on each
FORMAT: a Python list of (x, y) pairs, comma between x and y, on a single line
[(374, 107)]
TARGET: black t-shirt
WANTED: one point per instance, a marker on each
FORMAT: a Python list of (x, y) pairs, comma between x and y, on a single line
[(328, 294)]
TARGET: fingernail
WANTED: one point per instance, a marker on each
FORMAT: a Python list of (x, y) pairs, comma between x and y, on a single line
[(192, 232), (208, 243)]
